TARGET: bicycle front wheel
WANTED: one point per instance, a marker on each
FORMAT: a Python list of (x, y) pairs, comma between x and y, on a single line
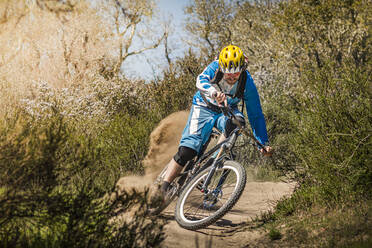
[(196, 209)]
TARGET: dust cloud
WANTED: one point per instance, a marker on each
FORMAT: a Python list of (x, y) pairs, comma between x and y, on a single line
[(164, 141)]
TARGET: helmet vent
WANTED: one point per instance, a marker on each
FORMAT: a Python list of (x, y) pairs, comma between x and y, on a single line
[(231, 59)]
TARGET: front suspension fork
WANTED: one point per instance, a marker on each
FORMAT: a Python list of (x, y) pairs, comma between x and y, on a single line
[(213, 170)]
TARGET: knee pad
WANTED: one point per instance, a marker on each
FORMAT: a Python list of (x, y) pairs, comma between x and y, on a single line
[(184, 154), (230, 126)]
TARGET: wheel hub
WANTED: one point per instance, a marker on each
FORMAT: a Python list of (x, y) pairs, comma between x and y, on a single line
[(211, 198)]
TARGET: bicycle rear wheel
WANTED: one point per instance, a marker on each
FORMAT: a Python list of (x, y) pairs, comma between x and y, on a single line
[(196, 209)]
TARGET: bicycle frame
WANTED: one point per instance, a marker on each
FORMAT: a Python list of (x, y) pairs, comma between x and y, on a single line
[(225, 152), (225, 148), (200, 163), (212, 183)]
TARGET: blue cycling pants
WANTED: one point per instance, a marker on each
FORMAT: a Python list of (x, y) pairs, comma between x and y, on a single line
[(200, 124)]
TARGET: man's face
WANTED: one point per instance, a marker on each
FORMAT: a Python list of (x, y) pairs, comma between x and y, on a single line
[(231, 78)]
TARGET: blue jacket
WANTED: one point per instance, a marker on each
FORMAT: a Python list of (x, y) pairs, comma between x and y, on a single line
[(251, 98)]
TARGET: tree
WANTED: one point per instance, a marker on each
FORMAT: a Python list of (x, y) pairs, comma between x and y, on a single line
[(209, 24), (63, 41), (129, 19)]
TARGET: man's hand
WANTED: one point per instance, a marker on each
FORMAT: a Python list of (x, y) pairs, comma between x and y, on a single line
[(268, 151), (220, 98)]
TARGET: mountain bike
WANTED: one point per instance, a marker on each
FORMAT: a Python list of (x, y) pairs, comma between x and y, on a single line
[(210, 184)]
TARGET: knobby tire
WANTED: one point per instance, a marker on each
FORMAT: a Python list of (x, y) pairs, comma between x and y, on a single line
[(188, 221)]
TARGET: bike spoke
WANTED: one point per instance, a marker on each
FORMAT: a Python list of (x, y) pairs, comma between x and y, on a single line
[(200, 205)]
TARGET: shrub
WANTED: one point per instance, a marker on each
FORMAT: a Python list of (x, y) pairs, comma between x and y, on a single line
[(53, 195)]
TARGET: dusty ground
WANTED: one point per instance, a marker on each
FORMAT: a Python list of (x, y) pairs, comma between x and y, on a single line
[(232, 230)]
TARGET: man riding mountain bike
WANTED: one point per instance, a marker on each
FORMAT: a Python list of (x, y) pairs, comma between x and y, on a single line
[(224, 82)]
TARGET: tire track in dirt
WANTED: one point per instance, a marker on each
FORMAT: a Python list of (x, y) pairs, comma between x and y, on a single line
[(229, 231)]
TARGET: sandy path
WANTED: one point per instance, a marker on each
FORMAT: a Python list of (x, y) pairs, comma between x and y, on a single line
[(229, 231)]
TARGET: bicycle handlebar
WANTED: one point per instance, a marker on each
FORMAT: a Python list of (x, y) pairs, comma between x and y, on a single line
[(227, 111)]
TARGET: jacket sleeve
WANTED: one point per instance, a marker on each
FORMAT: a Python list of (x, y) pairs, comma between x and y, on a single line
[(203, 82), (254, 111)]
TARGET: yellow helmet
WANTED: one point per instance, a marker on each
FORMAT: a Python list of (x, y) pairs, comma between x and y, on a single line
[(231, 59)]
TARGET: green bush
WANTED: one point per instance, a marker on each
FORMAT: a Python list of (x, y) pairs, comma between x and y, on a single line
[(53, 195), (124, 143), (333, 133), (175, 91)]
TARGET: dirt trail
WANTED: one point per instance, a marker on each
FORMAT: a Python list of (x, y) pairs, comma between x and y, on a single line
[(230, 231)]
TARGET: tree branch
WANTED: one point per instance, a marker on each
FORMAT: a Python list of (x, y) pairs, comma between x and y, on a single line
[(166, 51), (147, 48)]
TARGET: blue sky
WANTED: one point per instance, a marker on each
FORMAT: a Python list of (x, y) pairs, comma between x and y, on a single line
[(146, 64)]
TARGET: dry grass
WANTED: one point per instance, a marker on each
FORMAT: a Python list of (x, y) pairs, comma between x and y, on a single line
[(58, 50)]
